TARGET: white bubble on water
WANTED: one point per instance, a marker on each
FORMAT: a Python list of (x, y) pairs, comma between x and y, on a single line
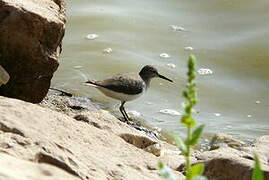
[(204, 71), (188, 48), (165, 55), (135, 113), (177, 28), (92, 36), (149, 103), (229, 127), (171, 65), (78, 67), (170, 112), (107, 50)]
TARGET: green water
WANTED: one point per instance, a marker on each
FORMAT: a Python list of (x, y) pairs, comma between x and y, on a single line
[(229, 37)]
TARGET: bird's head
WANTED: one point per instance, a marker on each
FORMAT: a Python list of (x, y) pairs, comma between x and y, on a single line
[(149, 72)]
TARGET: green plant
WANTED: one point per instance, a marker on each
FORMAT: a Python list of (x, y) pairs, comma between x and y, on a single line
[(187, 120), (257, 173), (166, 172), (194, 172)]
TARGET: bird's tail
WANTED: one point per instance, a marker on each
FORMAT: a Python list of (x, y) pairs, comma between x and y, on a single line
[(91, 83)]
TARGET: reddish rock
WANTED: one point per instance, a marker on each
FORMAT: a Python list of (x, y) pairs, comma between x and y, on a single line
[(30, 44)]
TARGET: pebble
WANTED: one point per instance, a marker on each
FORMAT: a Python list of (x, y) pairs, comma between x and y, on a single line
[(92, 36), (107, 50), (165, 55), (171, 65), (177, 28), (170, 112), (249, 116), (189, 48), (204, 71), (258, 102)]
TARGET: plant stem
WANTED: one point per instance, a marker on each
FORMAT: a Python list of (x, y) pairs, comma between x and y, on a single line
[(188, 165)]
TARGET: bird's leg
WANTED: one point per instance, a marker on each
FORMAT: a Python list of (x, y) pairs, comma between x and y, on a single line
[(123, 112)]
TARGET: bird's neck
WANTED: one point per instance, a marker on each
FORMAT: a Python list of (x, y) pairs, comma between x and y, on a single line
[(146, 80)]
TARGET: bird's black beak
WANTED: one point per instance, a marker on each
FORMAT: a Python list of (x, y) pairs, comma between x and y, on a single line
[(163, 77)]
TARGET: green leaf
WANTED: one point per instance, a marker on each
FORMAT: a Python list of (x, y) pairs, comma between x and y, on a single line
[(188, 121), (188, 108), (160, 165), (196, 170), (185, 94), (191, 60), (196, 134), (181, 145), (257, 173), (166, 172)]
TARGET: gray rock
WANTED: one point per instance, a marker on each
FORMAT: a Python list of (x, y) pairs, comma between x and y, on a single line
[(30, 44)]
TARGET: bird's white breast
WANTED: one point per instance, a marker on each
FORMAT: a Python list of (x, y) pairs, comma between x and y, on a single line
[(120, 96)]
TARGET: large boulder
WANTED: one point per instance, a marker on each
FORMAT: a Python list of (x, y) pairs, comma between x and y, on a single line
[(31, 33), (92, 147), (228, 163)]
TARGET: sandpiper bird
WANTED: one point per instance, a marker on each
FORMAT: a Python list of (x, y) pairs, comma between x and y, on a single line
[(127, 86)]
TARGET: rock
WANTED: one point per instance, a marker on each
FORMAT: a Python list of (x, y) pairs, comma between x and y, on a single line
[(174, 161), (155, 149), (227, 168), (30, 44), (46, 137), (4, 76), (260, 147), (17, 169), (229, 163), (64, 102), (81, 117), (220, 140), (138, 140)]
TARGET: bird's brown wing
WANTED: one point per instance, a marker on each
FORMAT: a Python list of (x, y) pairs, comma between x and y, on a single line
[(129, 83)]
